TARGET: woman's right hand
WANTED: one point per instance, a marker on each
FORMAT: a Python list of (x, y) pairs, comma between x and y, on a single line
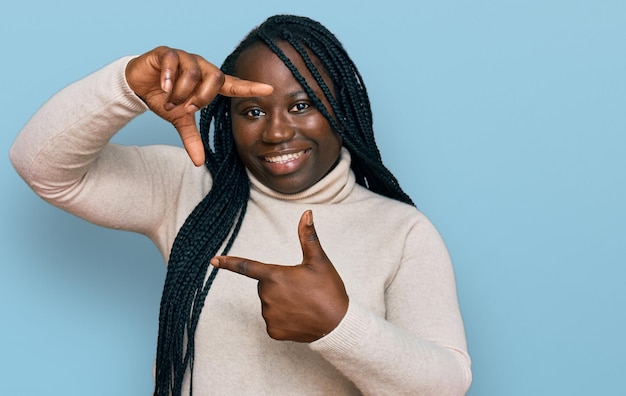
[(175, 84)]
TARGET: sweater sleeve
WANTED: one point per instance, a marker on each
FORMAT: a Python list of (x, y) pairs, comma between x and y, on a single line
[(419, 348), (63, 153)]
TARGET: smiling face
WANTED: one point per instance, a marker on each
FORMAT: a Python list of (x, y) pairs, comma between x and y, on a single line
[(282, 139)]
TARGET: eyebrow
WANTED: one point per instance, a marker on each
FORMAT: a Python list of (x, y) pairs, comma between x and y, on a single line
[(291, 95), (297, 93), (256, 98), (241, 99)]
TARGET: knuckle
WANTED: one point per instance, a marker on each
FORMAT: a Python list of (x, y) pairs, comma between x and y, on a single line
[(276, 334), (177, 99), (182, 123), (167, 53), (242, 267), (217, 76), (193, 74), (233, 90), (188, 138), (311, 237)]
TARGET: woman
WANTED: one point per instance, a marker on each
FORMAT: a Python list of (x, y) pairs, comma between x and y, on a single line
[(362, 300)]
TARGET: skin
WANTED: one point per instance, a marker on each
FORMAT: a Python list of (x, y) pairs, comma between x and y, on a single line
[(282, 138), (299, 303), (175, 84)]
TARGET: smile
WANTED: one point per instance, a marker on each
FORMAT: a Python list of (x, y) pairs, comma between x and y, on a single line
[(281, 159)]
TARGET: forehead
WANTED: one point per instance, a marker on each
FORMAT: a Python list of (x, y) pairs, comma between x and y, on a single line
[(259, 63)]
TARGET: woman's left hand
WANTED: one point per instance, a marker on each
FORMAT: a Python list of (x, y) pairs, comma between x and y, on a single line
[(299, 303)]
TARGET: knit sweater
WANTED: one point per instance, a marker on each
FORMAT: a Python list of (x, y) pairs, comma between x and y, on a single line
[(402, 333)]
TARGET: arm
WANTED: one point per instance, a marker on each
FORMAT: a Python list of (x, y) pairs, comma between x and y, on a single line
[(64, 155), (419, 347), (63, 152)]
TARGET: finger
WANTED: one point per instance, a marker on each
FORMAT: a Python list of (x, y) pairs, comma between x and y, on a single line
[(236, 87), (168, 63), (188, 131), (207, 89), (312, 250), (250, 268), (184, 79), (215, 82)]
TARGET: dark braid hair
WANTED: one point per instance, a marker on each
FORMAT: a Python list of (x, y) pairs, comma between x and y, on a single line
[(215, 222)]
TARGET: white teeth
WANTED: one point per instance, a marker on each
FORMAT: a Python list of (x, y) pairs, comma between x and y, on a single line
[(284, 158)]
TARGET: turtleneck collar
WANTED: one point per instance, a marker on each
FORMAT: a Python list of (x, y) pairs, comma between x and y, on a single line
[(332, 188)]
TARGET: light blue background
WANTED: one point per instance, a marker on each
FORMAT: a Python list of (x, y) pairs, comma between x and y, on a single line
[(505, 121)]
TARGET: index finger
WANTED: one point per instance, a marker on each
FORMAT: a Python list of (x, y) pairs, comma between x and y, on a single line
[(250, 268), (236, 87)]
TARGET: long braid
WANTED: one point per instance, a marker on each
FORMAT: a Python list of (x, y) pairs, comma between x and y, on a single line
[(216, 220), (352, 101), (213, 223)]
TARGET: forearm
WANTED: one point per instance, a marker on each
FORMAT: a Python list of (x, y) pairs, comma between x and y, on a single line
[(381, 358), (58, 145), (416, 344), (64, 155)]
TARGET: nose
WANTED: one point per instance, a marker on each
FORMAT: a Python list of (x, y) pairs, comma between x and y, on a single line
[(278, 129)]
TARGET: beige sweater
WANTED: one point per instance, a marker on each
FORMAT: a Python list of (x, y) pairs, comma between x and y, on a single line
[(403, 332)]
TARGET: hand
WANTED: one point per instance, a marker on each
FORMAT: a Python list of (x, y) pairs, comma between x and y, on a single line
[(175, 84), (299, 303)]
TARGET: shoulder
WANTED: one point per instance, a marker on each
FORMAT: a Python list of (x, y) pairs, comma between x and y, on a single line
[(384, 206), (394, 216)]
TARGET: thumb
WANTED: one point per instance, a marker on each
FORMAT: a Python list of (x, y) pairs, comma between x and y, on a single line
[(312, 251), (188, 131)]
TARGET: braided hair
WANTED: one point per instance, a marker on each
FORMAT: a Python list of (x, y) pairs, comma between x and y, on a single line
[(214, 223)]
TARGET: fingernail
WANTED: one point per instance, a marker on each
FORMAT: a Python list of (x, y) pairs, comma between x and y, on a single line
[(167, 81), (169, 106), (167, 85), (215, 262), (309, 217)]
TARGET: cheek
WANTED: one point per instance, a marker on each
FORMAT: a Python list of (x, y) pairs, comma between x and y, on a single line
[(338, 139), (334, 140), (240, 142), (331, 149), (241, 135)]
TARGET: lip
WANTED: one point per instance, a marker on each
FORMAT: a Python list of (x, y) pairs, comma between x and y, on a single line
[(284, 161)]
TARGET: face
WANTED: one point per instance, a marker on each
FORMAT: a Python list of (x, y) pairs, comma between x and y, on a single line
[(283, 139)]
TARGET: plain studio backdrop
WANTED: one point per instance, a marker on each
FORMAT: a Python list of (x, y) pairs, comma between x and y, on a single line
[(504, 120)]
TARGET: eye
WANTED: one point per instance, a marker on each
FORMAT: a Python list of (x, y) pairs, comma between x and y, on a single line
[(300, 107), (254, 113)]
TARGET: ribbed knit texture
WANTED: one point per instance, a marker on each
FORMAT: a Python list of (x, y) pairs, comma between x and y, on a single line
[(403, 332)]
